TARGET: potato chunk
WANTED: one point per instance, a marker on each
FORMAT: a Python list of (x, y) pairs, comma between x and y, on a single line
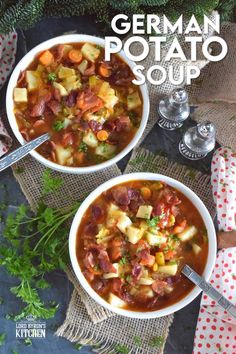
[(134, 234), (133, 101), (144, 212), (20, 95), (90, 139), (188, 233), (123, 222), (33, 79), (169, 269), (90, 52), (116, 301)]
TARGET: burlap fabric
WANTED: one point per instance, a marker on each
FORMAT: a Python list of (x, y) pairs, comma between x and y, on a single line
[(215, 91)]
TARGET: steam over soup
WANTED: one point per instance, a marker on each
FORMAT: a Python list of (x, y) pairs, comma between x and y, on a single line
[(133, 241), (90, 107)]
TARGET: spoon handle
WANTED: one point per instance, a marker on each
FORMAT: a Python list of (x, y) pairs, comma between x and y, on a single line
[(19, 153), (209, 290)]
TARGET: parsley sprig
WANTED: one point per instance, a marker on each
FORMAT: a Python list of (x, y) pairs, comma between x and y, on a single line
[(154, 221), (33, 246)]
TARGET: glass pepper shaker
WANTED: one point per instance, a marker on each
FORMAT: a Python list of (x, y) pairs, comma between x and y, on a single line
[(198, 141), (173, 110)]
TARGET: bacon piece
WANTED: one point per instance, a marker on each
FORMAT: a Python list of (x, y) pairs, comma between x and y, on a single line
[(105, 262), (59, 52), (70, 100), (56, 94), (95, 126), (39, 108), (136, 272), (110, 125), (121, 196), (115, 248), (158, 209), (158, 286), (83, 125), (68, 139), (146, 259), (90, 229), (25, 134), (55, 106), (89, 261), (97, 212), (21, 77), (116, 286), (88, 275), (171, 197), (90, 71), (88, 101), (100, 285), (122, 123)]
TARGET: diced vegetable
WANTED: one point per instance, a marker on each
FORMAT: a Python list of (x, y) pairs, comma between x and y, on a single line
[(145, 281), (20, 95), (143, 225), (83, 66), (46, 58), (188, 233), (102, 135), (65, 72), (116, 301), (134, 234), (123, 222), (107, 94), (170, 269), (160, 258), (112, 275), (102, 234), (146, 192), (62, 154), (63, 91), (155, 267), (171, 220), (90, 139), (155, 239), (105, 150), (196, 249), (75, 56), (71, 83), (144, 211), (33, 79), (104, 70), (168, 289), (90, 52), (133, 101)]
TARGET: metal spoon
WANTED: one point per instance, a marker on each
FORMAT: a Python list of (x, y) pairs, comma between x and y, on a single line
[(209, 290), (22, 151)]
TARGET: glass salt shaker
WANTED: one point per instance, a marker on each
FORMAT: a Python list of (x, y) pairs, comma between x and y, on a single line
[(173, 110), (198, 141)]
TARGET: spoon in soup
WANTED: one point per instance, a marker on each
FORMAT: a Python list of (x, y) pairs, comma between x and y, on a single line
[(22, 151), (209, 290)]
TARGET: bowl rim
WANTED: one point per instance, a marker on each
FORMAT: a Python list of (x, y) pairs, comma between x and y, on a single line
[(23, 64), (191, 196)]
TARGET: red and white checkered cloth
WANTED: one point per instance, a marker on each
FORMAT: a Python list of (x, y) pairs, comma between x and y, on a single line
[(8, 44), (216, 330)]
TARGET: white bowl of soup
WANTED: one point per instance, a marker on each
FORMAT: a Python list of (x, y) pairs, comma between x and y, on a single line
[(94, 113), (130, 239)]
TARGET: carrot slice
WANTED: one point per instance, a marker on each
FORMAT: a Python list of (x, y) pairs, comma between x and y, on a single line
[(104, 70), (46, 58), (75, 56), (102, 135)]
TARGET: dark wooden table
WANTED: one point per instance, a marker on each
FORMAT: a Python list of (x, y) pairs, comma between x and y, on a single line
[(180, 340)]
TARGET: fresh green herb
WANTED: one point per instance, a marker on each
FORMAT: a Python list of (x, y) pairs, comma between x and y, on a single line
[(14, 351), (9, 317), (58, 125), (154, 221), (28, 341), (173, 237), (50, 183), (128, 278), (83, 147), (2, 338), (34, 246), (19, 170), (1, 300), (122, 349), (156, 342), (138, 341), (78, 346), (123, 260), (52, 77)]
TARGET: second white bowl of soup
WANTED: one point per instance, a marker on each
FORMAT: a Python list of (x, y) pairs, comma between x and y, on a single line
[(131, 237)]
